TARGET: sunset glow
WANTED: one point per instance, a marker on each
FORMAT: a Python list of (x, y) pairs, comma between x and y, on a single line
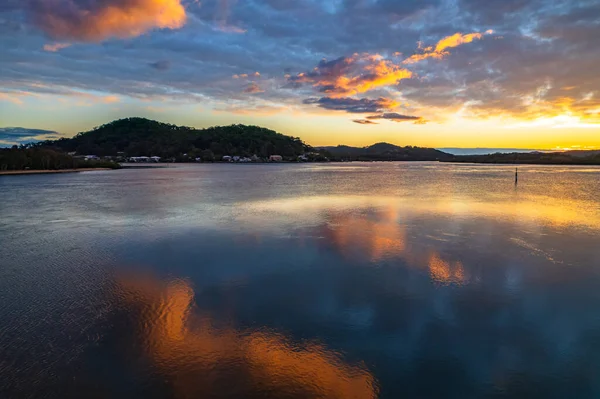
[(435, 73)]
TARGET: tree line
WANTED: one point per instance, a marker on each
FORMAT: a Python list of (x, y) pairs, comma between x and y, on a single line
[(40, 158)]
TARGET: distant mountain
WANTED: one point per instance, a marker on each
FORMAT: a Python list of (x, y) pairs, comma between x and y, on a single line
[(143, 137), (385, 152), (485, 151), (537, 158)]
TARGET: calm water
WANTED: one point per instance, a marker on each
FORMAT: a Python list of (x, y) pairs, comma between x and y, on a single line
[(298, 281)]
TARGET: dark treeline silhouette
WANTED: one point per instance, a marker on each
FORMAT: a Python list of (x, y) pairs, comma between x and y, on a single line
[(385, 152), (142, 137), (551, 158), (39, 158)]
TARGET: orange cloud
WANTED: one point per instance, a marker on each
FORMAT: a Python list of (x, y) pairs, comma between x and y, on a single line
[(53, 48), (111, 99), (11, 98), (441, 47), (456, 40), (353, 75), (97, 21)]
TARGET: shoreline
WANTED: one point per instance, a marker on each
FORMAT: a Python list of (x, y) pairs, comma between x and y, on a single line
[(42, 172)]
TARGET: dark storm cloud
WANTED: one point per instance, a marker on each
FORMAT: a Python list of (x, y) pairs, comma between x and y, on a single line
[(543, 56), (393, 116), (19, 135), (352, 105)]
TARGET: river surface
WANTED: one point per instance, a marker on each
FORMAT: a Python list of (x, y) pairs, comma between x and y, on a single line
[(381, 280)]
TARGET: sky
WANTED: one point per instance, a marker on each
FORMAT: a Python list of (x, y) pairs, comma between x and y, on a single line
[(435, 73)]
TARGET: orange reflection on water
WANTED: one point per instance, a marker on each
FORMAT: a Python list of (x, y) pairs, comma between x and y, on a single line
[(443, 271), (560, 209), (377, 236), (201, 359), (381, 234)]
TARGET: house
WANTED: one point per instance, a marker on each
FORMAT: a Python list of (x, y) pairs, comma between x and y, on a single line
[(91, 157), (236, 159), (226, 158), (155, 159), (275, 158), (302, 158), (139, 159)]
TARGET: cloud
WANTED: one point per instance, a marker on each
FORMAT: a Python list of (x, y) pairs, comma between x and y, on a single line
[(253, 88), (537, 42), (110, 99), (94, 21), (11, 98), (393, 116), (353, 75), (222, 16), (161, 65), (439, 51), (456, 40), (18, 135), (353, 105), (54, 47), (364, 122)]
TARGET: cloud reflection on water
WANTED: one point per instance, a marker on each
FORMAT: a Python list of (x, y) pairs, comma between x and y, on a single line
[(197, 355)]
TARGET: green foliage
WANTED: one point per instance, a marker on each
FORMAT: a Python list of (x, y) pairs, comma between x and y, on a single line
[(143, 137), (40, 158), (34, 158)]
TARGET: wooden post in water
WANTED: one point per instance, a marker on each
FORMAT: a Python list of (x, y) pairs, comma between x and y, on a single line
[(516, 176)]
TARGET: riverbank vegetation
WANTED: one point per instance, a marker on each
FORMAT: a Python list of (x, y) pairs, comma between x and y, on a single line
[(40, 158)]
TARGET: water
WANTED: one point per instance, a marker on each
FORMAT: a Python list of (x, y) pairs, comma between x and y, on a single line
[(412, 280)]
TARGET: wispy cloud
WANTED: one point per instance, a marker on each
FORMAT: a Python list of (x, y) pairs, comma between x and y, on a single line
[(253, 88), (393, 116), (353, 105), (11, 98), (161, 65), (19, 135), (54, 47), (440, 49)]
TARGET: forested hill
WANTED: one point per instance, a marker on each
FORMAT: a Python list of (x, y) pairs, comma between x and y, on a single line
[(143, 137), (386, 152)]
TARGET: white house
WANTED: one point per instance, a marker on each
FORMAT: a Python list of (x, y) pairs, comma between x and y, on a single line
[(275, 158)]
